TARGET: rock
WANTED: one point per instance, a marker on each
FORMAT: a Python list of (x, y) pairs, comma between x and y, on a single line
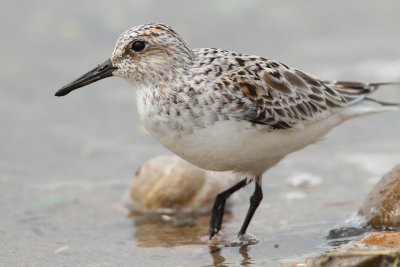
[(375, 249), (357, 258), (168, 184), (383, 239), (382, 206)]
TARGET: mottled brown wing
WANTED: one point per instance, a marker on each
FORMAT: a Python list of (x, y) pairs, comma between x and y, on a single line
[(282, 97)]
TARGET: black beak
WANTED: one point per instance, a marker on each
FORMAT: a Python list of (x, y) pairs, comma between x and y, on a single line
[(102, 71)]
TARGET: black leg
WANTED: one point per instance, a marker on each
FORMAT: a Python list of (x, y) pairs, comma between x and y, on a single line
[(255, 200), (217, 212)]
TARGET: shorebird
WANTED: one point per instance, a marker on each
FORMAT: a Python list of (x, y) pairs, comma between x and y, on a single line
[(226, 111)]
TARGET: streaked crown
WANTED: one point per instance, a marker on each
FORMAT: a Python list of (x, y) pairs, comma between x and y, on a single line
[(149, 53)]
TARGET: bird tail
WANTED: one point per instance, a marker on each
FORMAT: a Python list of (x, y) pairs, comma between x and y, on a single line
[(354, 92), (377, 85), (359, 87), (368, 106), (362, 103), (384, 104)]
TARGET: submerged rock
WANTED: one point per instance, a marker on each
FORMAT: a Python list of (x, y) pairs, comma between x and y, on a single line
[(374, 249), (381, 209), (382, 239), (382, 205), (357, 258), (168, 184)]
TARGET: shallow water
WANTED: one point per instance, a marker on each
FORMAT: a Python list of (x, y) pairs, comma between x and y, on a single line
[(66, 163)]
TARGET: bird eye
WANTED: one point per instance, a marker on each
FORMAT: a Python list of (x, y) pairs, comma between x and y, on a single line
[(138, 46)]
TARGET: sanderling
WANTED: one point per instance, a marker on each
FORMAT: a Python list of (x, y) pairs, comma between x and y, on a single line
[(222, 110)]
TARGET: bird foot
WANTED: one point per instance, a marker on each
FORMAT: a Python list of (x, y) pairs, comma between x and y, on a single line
[(243, 240)]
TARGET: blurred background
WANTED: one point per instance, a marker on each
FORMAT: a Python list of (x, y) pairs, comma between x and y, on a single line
[(66, 163)]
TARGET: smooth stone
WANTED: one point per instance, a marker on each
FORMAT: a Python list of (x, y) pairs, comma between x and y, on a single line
[(382, 205), (168, 184)]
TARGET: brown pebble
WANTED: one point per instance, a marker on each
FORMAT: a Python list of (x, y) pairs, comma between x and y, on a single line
[(383, 239), (170, 184), (356, 258), (382, 206)]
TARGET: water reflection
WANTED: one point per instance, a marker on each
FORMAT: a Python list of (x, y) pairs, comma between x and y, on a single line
[(220, 261), (168, 231), (159, 230), (217, 258), (244, 251)]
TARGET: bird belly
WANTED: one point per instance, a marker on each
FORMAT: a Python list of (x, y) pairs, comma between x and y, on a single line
[(232, 145), (241, 146), (249, 148)]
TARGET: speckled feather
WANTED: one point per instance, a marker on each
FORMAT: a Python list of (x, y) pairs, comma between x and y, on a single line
[(268, 92), (239, 86), (205, 104)]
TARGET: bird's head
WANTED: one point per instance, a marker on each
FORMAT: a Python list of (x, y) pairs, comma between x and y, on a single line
[(143, 55)]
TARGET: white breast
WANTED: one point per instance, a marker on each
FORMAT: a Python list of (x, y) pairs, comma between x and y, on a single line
[(234, 145)]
